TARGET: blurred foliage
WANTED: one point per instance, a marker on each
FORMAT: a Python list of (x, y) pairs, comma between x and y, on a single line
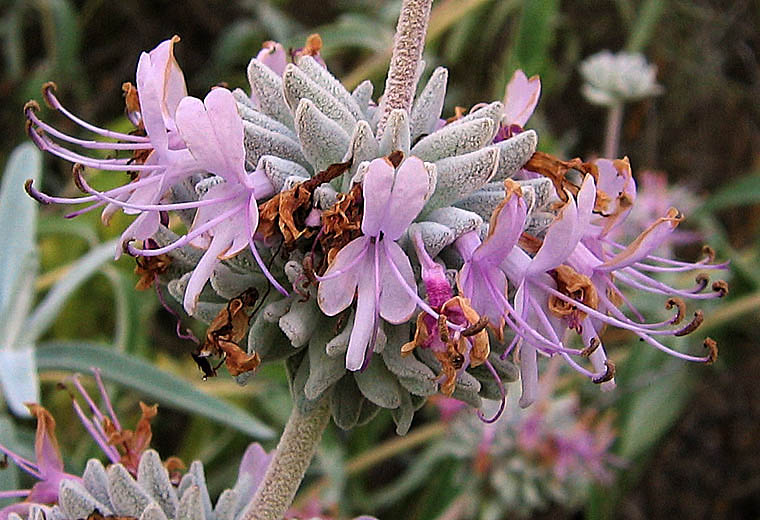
[(703, 132)]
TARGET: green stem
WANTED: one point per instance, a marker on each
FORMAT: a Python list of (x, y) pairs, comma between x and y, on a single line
[(292, 457), (614, 125), (406, 58)]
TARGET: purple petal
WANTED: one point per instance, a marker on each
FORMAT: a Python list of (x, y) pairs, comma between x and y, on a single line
[(253, 466), (396, 305), (528, 374), (336, 294), (507, 223), (220, 243), (273, 55), (149, 86), (649, 240), (558, 243), (376, 186), (213, 132), (173, 81), (521, 98), (365, 320), (410, 190)]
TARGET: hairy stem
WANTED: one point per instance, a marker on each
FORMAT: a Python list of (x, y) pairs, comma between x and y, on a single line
[(612, 135), (405, 61), (294, 452)]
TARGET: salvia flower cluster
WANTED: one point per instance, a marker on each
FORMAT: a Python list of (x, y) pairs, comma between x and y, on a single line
[(384, 264)]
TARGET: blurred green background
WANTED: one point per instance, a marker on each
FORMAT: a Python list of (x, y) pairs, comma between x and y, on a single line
[(691, 434)]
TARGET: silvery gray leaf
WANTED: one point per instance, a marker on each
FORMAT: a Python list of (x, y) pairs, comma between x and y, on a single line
[(368, 412), (242, 98), (272, 312), (76, 502), (408, 367), (266, 339), (294, 268), (325, 196), (482, 202), (268, 89), (461, 175), (300, 322), (153, 478), (260, 119), (418, 387), (304, 404), (543, 189), (127, 497), (458, 220), (404, 414), (187, 481), (186, 256), (492, 111), (202, 187), (323, 141), (396, 135), (153, 512), (207, 311), (346, 402), (338, 346), (327, 81), (363, 147), (362, 94), (530, 198), (196, 469), (95, 480), (378, 385), (297, 86), (435, 236), (467, 389), (291, 182), (277, 170), (190, 505), (514, 153), (259, 141), (429, 104), (538, 222), (455, 140), (324, 370), (230, 284), (226, 505)]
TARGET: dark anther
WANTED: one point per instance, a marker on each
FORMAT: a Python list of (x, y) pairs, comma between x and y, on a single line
[(592, 346), (308, 269), (4, 461), (608, 374), (709, 253), (680, 306), (712, 346), (476, 327), (204, 365), (396, 157), (78, 170), (702, 280), (720, 287), (443, 328), (31, 105), (693, 325), (48, 89)]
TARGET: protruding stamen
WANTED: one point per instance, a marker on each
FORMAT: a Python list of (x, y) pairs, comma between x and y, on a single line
[(476, 327), (608, 374), (720, 287), (709, 253), (443, 330), (692, 325), (592, 346), (712, 346), (680, 306), (502, 392)]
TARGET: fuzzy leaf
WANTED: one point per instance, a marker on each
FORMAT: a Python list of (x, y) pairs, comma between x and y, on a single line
[(95, 480), (435, 236), (267, 340), (298, 86), (429, 104), (323, 141), (268, 89), (278, 170), (378, 385), (196, 469), (482, 202), (300, 322), (404, 414), (459, 221), (76, 502), (153, 512), (363, 147), (461, 175), (128, 498), (327, 81), (154, 478), (408, 368), (324, 370), (346, 402), (450, 140), (190, 505), (514, 153), (492, 111), (396, 135), (260, 119), (362, 94), (260, 142)]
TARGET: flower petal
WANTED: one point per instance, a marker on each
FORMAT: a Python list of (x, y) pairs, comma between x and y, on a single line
[(410, 190), (365, 319), (557, 245), (507, 223), (336, 294), (396, 305), (274, 56), (213, 132), (220, 243), (376, 186), (521, 98), (173, 80)]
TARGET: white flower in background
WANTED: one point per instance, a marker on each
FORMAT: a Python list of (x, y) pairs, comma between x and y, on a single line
[(611, 79)]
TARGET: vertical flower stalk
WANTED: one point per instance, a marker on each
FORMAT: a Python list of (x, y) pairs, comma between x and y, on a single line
[(405, 61), (290, 461)]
